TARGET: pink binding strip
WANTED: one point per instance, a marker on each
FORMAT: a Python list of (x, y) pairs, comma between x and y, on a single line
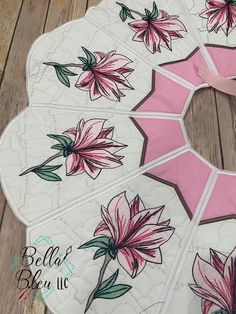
[(218, 82)]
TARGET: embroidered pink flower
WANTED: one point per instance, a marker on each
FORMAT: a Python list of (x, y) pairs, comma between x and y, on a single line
[(137, 232), (156, 29), (105, 75), (87, 148), (159, 32), (215, 282), (92, 149), (220, 14)]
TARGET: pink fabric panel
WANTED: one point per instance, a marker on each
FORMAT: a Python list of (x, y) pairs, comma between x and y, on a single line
[(223, 200), (188, 69), (163, 136), (189, 173), (168, 97), (224, 59)]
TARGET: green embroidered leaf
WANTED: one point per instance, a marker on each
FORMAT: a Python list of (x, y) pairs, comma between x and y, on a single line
[(91, 59), (100, 252), (48, 176), (111, 242), (128, 12), (122, 5), (123, 14), (148, 13), (47, 168), (58, 146), (67, 71), (113, 253), (221, 312), (84, 60), (108, 283), (102, 242), (64, 140), (155, 11), (67, 152), (62, 77), (113, 292)]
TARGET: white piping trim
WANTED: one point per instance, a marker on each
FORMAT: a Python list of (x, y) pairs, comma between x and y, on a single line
[(140, 114)]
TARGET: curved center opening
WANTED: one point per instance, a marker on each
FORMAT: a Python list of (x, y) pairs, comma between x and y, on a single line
[(210, 122)]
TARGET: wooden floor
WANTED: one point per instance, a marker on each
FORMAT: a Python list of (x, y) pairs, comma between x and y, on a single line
[(211, 119)]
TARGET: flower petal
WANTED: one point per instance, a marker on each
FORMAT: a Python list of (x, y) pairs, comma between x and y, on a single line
[(149, 216), (138, 26), (88, 132), (94, 91), (106, 133), (152, 256), (109, 84), (119, 211), (108, 221), (85, 80), (210, 285), (218, 261), (100, 55), (131, 261), (105, 144), (231, 19), (208, 307), (101, 159), (150, 237), (230, 278), (107, 87), (102, 229), (136, 205), (113, 62), (74, 165), (152, 40), (91, 169)]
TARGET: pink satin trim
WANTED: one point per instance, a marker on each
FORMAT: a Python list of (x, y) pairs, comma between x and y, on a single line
[(218, 82)]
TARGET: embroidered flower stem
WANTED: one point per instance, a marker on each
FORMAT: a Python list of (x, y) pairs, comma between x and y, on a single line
[(100, 279), (68, 65), (59, 154), (133, 11)]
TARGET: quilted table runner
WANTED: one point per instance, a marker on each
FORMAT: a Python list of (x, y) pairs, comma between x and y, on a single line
[(122, 214)]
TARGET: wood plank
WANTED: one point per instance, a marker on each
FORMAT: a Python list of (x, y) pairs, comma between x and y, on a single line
[(61, 11), (13, 97), (92, 3), (12, 239), (78, 9), (226, 106), (10, 10), (202, 126)]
